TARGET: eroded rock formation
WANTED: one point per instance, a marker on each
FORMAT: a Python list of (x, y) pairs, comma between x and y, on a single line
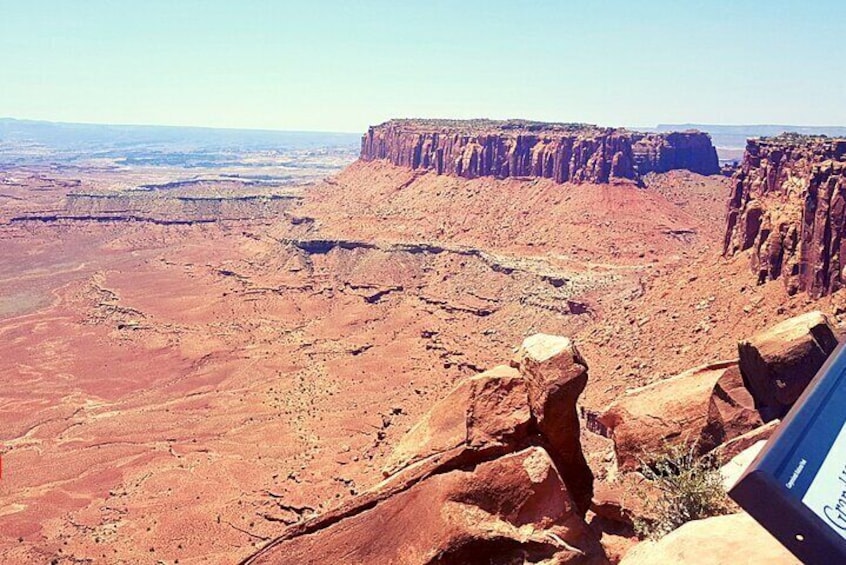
[(778, 363), (556, 375), (485, 415), (515, 148), (700, 406), (713, 405), (514, 509), (179, 203), (788, 207), (720, 539), (479, 479)]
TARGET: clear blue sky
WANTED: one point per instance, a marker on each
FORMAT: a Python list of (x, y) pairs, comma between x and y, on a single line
[(341, 65)]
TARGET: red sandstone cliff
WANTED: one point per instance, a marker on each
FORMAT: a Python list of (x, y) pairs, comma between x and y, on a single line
[(788, 207), (515, 148)]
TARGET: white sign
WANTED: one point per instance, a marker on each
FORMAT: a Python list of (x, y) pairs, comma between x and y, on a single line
[(827, 494)]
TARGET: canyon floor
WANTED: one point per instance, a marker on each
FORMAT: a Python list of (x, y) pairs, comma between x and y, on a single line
[(181, 385)]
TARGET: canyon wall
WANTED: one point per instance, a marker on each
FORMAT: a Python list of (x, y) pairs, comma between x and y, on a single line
[(788, 207), (563, 152)]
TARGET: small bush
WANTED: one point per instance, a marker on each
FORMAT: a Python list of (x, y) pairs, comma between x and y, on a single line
[(689, 487)]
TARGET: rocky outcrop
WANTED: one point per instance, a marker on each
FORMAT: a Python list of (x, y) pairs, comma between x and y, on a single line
[(735, 538), (514, 509), (484, 415), (713, 405), (662, 152), (479, 479), (718, 410), (700, 406), (503, 409), (777, 364), (562, 152), (619, 503), (788, 207), (555, 375), (733, 447), (731, 409)]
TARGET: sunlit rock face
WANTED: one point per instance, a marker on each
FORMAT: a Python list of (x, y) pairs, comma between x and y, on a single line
[(788, 207), (574, 153)]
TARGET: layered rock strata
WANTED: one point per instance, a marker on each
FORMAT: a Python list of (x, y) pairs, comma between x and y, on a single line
[(788, 207), (563, 152), (170, 204)]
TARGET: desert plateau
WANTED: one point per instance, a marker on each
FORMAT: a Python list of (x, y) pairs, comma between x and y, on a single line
[(201, 365), (403, 283)]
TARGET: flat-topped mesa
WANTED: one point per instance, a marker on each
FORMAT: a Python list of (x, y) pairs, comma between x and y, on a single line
[(788, 206), (517, 148)]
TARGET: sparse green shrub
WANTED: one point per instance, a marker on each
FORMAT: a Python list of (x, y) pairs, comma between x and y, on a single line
[(689, 487)]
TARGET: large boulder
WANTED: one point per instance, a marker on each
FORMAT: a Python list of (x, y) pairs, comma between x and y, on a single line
[(735, 538), (498, 411), (555, 375), (514, 509), (727, 451), (484, 415), (777, 364), (731, 410), (701, 406)]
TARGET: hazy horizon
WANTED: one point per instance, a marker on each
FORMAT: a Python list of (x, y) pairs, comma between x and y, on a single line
[(337, 67), (235, 128)]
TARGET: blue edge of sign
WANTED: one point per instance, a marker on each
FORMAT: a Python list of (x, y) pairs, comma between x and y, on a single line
[(773, 487)]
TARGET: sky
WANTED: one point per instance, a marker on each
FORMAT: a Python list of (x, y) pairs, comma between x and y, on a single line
[(329, 65)]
